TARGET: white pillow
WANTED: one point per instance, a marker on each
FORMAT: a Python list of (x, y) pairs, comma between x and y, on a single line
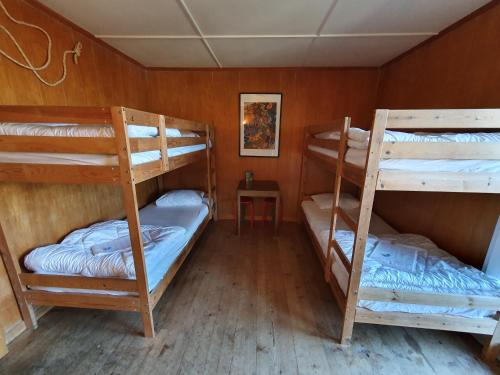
[(325, 201), (189, 134), (177, 198)]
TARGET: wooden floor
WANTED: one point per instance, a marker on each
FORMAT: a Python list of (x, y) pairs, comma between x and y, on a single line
[(250, 305)]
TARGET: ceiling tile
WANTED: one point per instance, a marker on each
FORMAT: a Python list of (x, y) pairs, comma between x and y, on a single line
[(125, 17), (358, 51), (397, 16), (165, 52), (258, 17), (261, 52)]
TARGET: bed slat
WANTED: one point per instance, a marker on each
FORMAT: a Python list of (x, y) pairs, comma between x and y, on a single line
[(136, 117), (59, 173), (70, 145), (85, 300), (330, 144), (483, 326), (80, 282), (185, 141), (145, 171), (144, 144), (185, 159), (441, 150), (444, 119), (438, 181), (55, 114), (433, 299), (181, 124)]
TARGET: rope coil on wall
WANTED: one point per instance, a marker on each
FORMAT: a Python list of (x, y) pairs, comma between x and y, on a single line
[(76, 51)]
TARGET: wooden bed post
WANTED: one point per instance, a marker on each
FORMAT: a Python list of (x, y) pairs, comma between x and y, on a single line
[(303, 168), (211, 180), (132, 211), (27, 312), (363, 225), (492, 350), (336, 194)]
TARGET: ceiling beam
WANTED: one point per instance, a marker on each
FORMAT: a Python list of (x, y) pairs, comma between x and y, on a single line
[(264, 36), (200, 33)]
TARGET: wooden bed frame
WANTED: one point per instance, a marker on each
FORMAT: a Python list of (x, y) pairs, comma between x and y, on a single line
[(124, 175), (371, 178)]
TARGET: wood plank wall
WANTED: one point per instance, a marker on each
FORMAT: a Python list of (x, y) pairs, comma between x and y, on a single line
[(459, 69), (309, 96), (40, 214)]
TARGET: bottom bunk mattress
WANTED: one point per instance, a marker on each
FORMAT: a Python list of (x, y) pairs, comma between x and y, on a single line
[(413, 263), (103, 249), (416, 265)]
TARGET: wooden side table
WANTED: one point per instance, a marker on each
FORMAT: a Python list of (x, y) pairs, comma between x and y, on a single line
[(259, 189)]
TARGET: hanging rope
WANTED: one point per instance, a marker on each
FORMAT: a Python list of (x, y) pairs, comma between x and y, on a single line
[(76, 52)]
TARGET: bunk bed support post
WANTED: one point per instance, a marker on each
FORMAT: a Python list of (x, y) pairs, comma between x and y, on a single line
[(363, 225), (132, 211), (211, 181), (303, 167), (27, 312), (336, 195), (492, 350)]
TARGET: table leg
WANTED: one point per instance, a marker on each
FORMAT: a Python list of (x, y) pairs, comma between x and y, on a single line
[(276, 214), (238, 219)]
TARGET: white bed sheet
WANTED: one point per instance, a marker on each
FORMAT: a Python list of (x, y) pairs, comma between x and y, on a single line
[(158, 261), (91, 159)]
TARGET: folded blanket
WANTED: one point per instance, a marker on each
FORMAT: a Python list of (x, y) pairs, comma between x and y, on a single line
[(124, 243)]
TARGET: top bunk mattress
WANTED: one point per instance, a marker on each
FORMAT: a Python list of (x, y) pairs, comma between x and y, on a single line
[(90, 131), (75, 130), (358, 140)]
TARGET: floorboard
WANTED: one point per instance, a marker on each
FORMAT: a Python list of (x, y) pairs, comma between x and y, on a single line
[(255, 304)]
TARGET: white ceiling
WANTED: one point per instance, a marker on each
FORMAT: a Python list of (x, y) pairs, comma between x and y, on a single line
[(263, 33)]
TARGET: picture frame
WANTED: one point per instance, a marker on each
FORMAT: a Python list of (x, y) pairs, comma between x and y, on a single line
[(260, 124)]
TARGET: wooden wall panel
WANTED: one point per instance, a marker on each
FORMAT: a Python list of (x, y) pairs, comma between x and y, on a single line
[(459, 69), (33, 215), (309, 96)]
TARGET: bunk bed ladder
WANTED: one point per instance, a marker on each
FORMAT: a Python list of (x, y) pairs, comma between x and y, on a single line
[(361, 227), (332, 243)]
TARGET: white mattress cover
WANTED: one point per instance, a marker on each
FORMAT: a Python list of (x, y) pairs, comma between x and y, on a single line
[(75, 130), (358, 157), (92, 159), (158, 262), (439, 273)]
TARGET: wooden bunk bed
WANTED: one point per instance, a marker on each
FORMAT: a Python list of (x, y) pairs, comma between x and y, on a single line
[(117, 168), (372, 176)]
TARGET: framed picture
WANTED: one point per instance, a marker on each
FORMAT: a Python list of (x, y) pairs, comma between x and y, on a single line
[(260, 117)]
